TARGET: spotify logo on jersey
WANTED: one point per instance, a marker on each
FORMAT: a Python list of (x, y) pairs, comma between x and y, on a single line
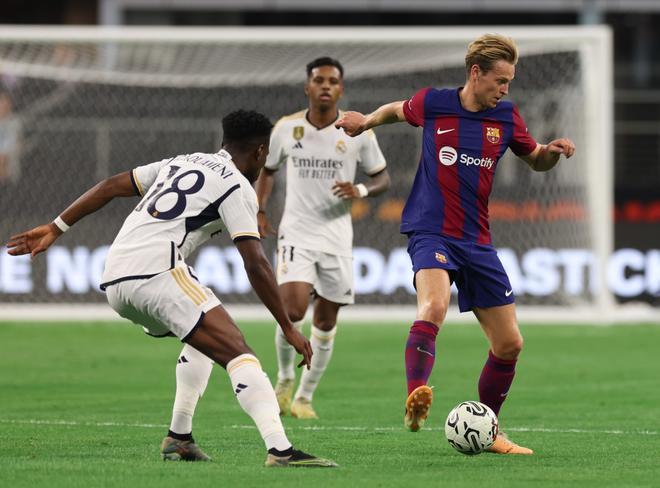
[(447, 155)]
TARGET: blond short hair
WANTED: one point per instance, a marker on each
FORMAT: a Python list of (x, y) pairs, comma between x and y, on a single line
[(488, 49)]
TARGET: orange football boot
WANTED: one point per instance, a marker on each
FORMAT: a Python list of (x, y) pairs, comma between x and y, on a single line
[(417, 407), (503, 445)]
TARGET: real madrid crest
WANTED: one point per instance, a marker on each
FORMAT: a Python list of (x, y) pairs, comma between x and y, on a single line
[(493, 134), (298, 132), (340, 147)]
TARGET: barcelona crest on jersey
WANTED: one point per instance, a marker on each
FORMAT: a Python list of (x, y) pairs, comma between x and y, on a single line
[(493, 134)]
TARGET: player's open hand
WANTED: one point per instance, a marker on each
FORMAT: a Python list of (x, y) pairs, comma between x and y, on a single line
[(263, 224), (300, 344), (353, 123), (33, 241), (562, 146), (345, 190)]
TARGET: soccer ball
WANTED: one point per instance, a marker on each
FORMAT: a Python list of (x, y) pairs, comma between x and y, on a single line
[(471, 428)]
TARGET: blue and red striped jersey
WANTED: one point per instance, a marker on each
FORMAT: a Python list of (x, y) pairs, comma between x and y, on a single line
[(460, 152)]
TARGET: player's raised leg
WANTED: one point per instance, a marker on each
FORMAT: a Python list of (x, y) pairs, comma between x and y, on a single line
[(192, 375), (218, 337), (295, 296), (322, 340), (506, 342), (432, 302)]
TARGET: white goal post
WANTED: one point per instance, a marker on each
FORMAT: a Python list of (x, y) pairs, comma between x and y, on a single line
[(95, 101)]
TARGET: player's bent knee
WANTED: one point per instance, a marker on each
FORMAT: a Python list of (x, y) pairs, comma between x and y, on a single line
[(509, 349), (296, 314), (324, 324), (433, 311), (218, 337)]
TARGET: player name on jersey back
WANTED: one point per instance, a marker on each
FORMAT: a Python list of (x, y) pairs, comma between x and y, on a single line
[(219, 167)]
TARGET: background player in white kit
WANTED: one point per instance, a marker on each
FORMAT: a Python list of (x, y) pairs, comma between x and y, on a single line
[(315, 236), (186, 200)]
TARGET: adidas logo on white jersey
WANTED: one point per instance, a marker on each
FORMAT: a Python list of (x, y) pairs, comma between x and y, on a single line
[(297, 145)]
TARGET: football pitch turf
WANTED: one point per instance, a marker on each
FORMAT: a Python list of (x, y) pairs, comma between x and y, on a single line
[(87, 405)]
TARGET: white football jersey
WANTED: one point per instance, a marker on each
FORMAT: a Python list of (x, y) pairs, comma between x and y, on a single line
[(186, 200), (315, 158)]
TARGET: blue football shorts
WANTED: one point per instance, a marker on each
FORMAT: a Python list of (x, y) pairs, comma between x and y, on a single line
[(475, 268)]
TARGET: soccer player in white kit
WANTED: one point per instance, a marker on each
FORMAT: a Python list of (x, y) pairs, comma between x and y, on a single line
[(315, 236), (185, 201)]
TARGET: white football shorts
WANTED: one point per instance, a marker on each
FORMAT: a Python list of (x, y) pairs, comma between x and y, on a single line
[(172, 302), (330, 275)]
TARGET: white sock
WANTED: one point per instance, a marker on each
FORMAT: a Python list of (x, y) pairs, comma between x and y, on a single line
[(192, 375), (286, 354), (322, 345), (256, 396)]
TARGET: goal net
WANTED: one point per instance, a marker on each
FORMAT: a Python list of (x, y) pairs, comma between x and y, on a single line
[(87, 103)]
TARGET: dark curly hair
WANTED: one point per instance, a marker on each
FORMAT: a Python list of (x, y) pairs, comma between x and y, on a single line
[(245, 127), (324, 61)]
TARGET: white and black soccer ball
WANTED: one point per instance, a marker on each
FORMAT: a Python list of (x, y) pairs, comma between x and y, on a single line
[(471, 428)]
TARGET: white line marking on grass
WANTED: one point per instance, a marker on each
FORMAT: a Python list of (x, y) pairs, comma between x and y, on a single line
[(583, 431), (329, 428), (83, 424), (441, 429)]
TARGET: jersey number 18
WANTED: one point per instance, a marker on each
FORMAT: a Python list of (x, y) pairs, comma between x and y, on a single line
[(160, 190)]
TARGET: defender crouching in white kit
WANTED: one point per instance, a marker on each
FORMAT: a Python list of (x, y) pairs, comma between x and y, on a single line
[(186, 200)]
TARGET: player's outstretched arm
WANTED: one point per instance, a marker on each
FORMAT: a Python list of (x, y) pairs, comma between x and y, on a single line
[(355, 123), (261, 276), (264, 188), (546, 156), (40, 238)]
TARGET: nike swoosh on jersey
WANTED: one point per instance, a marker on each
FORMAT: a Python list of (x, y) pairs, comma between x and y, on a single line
[(440, 131), (508, 293)]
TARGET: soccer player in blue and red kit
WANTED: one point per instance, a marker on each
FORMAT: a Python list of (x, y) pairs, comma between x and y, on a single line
[(465, 133)]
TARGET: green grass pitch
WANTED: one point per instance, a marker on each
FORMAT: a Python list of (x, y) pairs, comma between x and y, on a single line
[(88, 404)]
